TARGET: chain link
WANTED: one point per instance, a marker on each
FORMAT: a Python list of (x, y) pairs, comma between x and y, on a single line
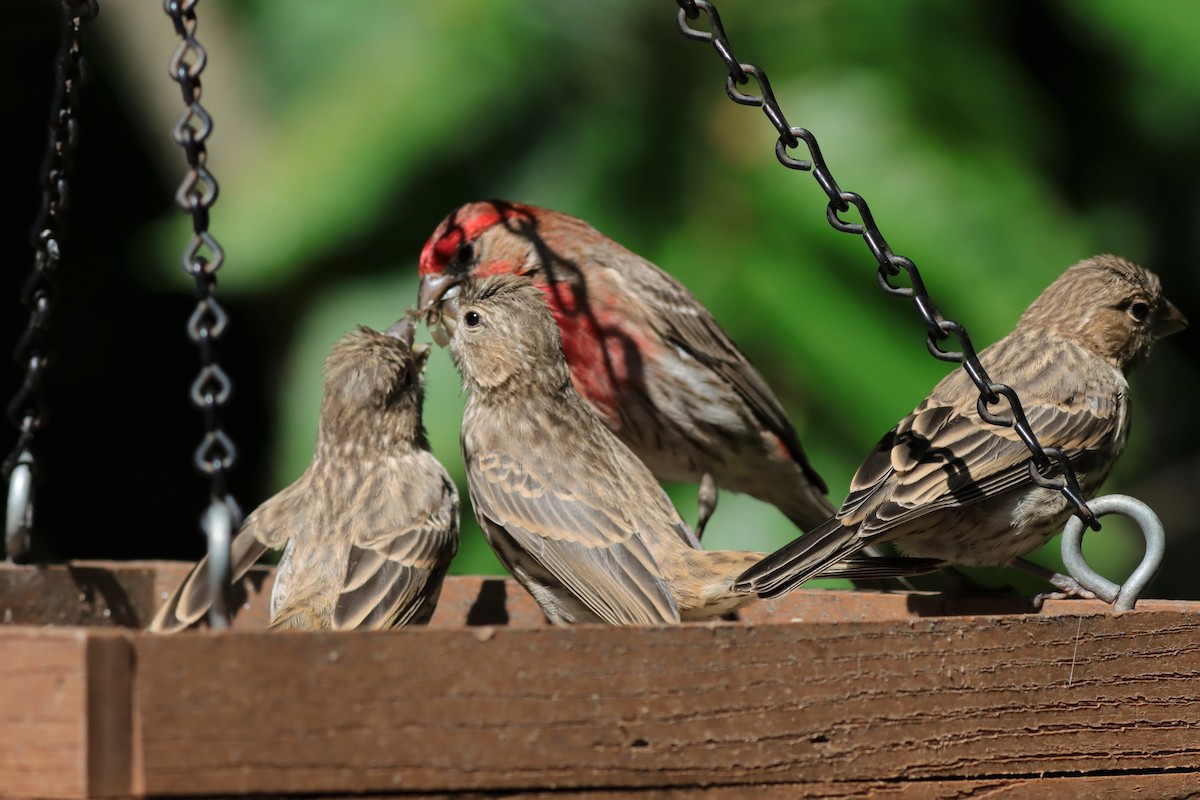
[(202, 258), (1048, 466), (27, 409)]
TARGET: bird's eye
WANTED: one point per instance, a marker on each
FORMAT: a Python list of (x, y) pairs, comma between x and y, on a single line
[(1139, 310), (465, 253), (472, 319)]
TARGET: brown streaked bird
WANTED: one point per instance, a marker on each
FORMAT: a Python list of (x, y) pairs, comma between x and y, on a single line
[(574, 515), (945, 484), (369, 529), (646, 355)]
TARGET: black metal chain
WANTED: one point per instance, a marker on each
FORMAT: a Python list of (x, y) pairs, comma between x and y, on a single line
[(1046, 462), (202, 257), (27, 410)]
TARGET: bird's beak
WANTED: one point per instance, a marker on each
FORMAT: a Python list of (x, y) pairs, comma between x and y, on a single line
[(442, 316), (449, 318), (1168, 320), (404, 329), (432, 297), (431, 290)]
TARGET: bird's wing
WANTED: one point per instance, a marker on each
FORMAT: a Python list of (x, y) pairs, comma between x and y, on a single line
[(405, 533), (683, 321), (587, 542), (267, 528), (943, 455)]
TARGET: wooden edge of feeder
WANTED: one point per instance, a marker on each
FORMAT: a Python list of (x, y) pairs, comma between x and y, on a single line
[(1029, 787), (66, 697), (500, 709), (888, 694), (126, 594), (508, 709)]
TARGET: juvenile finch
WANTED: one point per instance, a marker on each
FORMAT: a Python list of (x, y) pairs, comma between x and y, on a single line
[(570, 510), (369, 529), (644, 353), (945, 484)]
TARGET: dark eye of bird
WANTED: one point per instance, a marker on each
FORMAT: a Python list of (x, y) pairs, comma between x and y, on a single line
[(1139, 310), (472, 319)]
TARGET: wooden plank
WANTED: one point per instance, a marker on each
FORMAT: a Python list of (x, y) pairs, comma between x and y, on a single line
[(1099, 787), (65, 711), (816, 605), (489, 709), (468, 601), (78, 594), (112, 593), (126, 594)]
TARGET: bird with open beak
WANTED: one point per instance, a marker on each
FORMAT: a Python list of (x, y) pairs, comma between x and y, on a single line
[(646, 355), (580, 522), (369, 529)]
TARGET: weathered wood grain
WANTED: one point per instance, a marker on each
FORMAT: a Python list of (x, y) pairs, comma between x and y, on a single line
[(112, 593), (863, 695), (1098, 787), (64, 713), (126, 594), (924, 700), (84, 593)]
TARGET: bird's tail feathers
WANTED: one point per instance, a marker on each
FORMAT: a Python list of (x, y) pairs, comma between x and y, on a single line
[(191, 599), (809, 509), (873, 567), (804, 558)]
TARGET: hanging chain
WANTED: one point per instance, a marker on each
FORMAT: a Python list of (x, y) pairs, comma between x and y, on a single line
[(27, 410), (1046, 462), (202, 257)]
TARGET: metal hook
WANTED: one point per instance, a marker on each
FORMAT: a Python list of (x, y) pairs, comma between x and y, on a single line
[(1123, 596), (18, 521), (218, 525)]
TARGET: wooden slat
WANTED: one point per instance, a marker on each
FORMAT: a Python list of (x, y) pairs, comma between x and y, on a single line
[(927, 700), (64, 713), (79, 594), (887, 695), (1098, 787), (126, 594)]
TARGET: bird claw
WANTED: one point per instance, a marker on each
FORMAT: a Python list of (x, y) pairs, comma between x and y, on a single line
[(1040, 598), (1068, 589)]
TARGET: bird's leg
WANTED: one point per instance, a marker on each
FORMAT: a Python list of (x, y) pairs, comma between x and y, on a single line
[(1065, 584), (706, 499)]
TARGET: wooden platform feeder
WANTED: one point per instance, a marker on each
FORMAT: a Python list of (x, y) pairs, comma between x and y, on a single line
[(821, 694)]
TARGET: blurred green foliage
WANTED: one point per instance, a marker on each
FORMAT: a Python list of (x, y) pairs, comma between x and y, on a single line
[(996, 143)]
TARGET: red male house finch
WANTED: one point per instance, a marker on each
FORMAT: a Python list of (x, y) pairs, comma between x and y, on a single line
[(945, 484), (369, 529), (570, 510), (649, 359)]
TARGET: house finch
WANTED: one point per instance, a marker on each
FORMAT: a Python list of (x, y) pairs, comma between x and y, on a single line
[(649, 359), (369, 529), (570, 510), (946, 484)]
